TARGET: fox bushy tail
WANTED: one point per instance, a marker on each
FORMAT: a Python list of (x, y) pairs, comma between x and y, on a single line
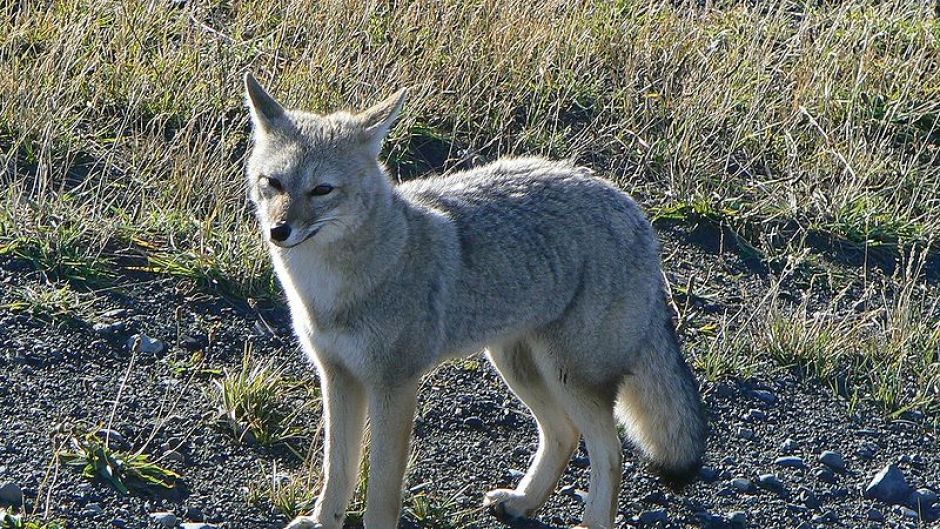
[(659, 405)]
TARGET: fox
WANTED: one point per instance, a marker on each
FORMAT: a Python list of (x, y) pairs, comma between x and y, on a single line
[(551, 271)]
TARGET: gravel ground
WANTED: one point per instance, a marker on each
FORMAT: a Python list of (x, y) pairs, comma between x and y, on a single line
[(471, 434)]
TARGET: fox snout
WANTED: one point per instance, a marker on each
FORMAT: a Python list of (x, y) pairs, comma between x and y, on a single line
[(280, 232)]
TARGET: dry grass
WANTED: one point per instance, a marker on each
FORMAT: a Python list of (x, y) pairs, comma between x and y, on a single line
[(122, 129)]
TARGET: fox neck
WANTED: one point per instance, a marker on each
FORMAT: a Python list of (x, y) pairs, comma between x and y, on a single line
[(322, 278)]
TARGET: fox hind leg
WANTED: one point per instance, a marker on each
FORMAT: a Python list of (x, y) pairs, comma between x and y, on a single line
[(558, 436)]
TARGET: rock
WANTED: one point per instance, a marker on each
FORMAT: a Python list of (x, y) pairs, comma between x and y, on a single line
[(113, 437), (581, 462), (196, 525), (108, 329), (166, 519), (772, 483), (738, 520), (889, 486), (908, 513), (473, 422), (193, 342), (922, 499), (826, 517), (764, 396), (789, 462), (567, 490), (515, 474), (195, 514), (148, 345), (656, 497), (11, 494), (174, 456), (826, 476), (875, 515), (742, 484), (807, 497), (755, 415), (93, 509), (651, 517), (119, 523), (789, 446), (746, 433), (833, 460), (708, 474), (708, 520)]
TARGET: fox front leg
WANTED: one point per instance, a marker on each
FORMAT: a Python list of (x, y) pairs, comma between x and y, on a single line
[(344, 414), (391, 416)]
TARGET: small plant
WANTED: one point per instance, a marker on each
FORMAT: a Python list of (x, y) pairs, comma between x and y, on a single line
[(47, 302), (10, 520), (291, 494), (252, 403), (194, 364), (124, 471), (433, 513)]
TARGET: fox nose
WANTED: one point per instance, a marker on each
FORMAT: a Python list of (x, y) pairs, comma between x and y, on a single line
[(280, 232)]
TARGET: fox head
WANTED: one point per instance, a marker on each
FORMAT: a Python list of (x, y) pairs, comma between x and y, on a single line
[(314, 177)]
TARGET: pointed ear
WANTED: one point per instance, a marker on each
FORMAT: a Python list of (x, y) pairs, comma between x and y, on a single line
[(265, 110), (377, 120)]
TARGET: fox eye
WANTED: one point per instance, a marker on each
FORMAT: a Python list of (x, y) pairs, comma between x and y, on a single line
[(321, 190), (274, 183)]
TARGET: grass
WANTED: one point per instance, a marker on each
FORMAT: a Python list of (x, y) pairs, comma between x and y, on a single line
[(51, 303), (257, 403), (11, 520), (123, 471), (122, 150)]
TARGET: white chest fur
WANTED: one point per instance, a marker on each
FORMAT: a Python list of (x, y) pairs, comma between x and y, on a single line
[(313, 287)]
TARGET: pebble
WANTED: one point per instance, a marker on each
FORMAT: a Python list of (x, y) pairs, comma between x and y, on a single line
[(789, 446), (11, 494), (888, 486), (875, 515), (473, 422), (771, 482), (807, 497), (789, 462), (708, 474), (746, 433), (193, 342), (826, 475), (755, 415), (93, 509), (196, 525), (195, 514), (764, 396), (833, 460), (922, 499), (174, 456), (148, 345), (112, 436), (742, 484), (908, 513), (651, 517), (166, 519), (826, 517), (738, 520), (107, 329), (515, 474), (119, 523), (581, 462)]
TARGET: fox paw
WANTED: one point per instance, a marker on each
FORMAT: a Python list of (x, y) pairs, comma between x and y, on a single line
[(304, 522), (507, 505)]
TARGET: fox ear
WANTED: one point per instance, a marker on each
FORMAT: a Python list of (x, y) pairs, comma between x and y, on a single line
[(377, 120), (265, 110)]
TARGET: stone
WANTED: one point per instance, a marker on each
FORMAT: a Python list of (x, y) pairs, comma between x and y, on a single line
[(166, 519), (875, 515), (889, 486), (193, 342), (833, 460), (789, 462), (807, 497), (581, 462), (196, 525), (11, 494), (473, 422), (826, 517), (113, 437), (755, 415), (148, 345), (746, 433), (826, 476), (772, 483), (922, 499), (738, 520), (94, 509), (515, 474), (108, 329), (708, 474), (764, 396), (789, 446), (742, 484), (651, 517)]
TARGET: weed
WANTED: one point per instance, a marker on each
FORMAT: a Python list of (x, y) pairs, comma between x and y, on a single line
[(291, 494), (48, 302), (11, 520), (123, 471), (252, 403)]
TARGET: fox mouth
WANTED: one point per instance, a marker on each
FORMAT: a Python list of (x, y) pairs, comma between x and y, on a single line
[(283, 244)]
